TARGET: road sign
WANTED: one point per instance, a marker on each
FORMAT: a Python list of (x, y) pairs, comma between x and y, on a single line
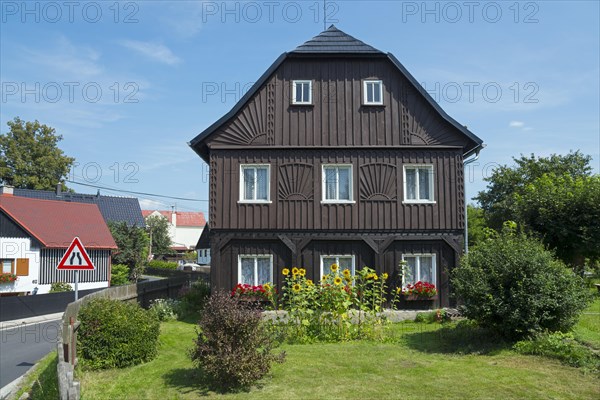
[(76, 258)]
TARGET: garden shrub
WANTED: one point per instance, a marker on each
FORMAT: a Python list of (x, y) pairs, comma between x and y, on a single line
[(430, 317), (233, 347), (193, 297), (119, 275), (561, 346), (115, 334), (513, 285), (165, 309), (162, 264), (58, 287)]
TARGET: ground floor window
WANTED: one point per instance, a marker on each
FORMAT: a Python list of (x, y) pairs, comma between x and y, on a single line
[(7, 266), (419, 267), (255, 269), (343, 262)]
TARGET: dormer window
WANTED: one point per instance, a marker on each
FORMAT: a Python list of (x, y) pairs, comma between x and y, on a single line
[(373, 92), (301, 92)]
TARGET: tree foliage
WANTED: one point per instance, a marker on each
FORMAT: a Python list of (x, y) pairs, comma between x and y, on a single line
[(133, 245), (30, 157), (555, 198), (514, 286), (477, 226), (161, 241)]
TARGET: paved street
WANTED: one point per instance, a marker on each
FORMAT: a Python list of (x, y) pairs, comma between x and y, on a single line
[(22, 345)]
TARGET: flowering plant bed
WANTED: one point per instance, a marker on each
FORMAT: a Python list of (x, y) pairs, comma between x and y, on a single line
[(420, 291), (7, 277)]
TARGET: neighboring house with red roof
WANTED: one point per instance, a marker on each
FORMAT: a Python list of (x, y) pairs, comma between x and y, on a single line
[(34, 235), (185, 227)]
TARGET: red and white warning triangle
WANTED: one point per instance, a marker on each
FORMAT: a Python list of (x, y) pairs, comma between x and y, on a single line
[(76, 258)]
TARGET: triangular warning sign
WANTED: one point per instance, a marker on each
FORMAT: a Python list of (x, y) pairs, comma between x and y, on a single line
[(76, 258)]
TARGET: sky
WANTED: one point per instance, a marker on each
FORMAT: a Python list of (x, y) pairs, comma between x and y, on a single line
[(128, 84)]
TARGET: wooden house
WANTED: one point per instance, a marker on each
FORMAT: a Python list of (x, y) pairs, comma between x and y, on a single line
[(336, 154)]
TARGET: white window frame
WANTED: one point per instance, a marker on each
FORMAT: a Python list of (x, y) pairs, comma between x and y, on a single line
[(418, 267), (324, 185), (12, 265), (310, 88), (431, 200), (337, 261), (366, 83), (242, 186), (255, 257)]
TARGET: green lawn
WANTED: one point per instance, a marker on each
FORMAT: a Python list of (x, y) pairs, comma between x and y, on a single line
[(588, 328), (42, 382), (420, 363)]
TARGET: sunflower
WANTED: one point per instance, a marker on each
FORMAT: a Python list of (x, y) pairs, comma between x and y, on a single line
[(324, 278), (309, 282), (346, 272), (285, 271), (294, 271), (296, 288), (334, 267), (384, 276), (301, 272), (267, 287), (337, 280)]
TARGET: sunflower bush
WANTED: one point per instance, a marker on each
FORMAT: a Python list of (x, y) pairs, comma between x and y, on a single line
[(339, 307)]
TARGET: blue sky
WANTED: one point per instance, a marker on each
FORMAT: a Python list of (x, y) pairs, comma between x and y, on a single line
[(128, 84)]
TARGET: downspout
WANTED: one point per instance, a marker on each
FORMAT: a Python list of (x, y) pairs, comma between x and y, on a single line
[(465, 163)]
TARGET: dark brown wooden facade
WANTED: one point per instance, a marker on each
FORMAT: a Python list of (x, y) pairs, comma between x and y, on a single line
[(295, 226)]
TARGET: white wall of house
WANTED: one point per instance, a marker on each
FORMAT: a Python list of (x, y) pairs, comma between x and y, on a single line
[(12, 249), (187, 236)]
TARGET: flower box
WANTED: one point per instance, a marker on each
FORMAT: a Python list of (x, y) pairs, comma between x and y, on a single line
[(416, 297)]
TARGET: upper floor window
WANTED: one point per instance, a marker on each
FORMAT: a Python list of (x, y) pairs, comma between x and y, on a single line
[(7, 266), (337, 183), (418, 183), (302, 92), (373, 92), (254, 185), (255, 269), (419, 267), (343, 262)]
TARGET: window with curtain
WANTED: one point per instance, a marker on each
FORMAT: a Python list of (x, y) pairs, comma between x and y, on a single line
[(255, 270), (419, 268), (255, 183), (337, 183), (418, 183)]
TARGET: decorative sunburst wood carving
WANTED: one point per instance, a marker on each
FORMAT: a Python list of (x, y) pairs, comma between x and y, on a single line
[(251, 126), (378, 181), (296, 181)]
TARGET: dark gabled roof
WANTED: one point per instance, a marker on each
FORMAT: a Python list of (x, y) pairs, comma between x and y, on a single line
[(55, 223), (113, 208), (323, 44), (204, 240), (334, 41)]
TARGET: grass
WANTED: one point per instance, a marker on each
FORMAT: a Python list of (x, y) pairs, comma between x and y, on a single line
[(422, 361), (587, 329), (42, 382)]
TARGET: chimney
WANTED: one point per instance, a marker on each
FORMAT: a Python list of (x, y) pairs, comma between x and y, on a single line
[(173, 216), (6, 190), (58, 189)]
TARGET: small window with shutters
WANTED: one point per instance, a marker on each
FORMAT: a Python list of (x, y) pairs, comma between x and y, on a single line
[(22, 267)]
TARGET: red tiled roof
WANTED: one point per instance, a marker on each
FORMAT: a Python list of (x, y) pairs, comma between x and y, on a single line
[(56, 223), (184, 218)]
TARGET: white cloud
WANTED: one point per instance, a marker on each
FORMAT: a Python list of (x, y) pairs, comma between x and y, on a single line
[(156, 51), (516, 124), (147, 204)]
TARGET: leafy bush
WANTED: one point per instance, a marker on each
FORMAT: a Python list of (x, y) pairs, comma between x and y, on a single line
[(430, 317), (116, 334), (58, 287), (165, 309), (561, 346), (233, 347), (162, 264), (193, 297), (119, 275), (514, 286)]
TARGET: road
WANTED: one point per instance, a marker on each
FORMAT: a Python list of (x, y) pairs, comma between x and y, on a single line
[(21, 346)]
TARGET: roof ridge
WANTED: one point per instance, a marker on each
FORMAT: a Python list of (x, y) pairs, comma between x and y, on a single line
[(334, 40)]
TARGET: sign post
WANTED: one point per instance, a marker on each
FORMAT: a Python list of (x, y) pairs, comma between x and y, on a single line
[(76, 259)]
